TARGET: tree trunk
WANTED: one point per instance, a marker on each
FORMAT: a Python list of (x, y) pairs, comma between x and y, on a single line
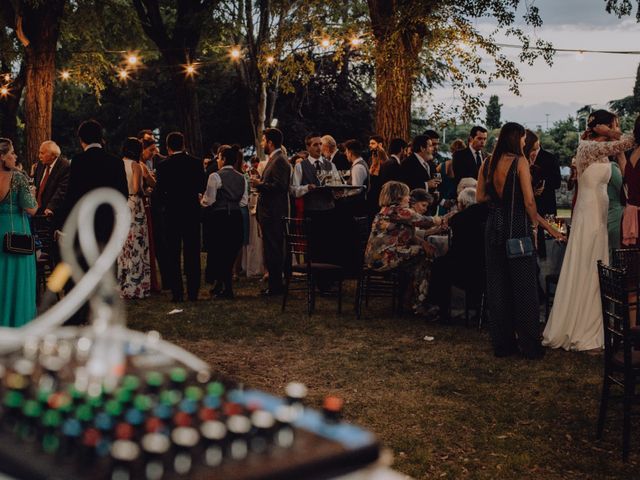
[(188, 113), (41, 26), (394, 86), (9, 109)]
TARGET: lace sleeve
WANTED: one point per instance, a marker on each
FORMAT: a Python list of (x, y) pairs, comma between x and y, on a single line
[(590, 152), (21, 185)]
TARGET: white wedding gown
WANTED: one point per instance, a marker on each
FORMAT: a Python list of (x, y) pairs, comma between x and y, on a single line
[(575, 322)]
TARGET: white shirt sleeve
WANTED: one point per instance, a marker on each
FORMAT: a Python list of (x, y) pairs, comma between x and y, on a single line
[(359, 175), (244, 201), (296, 189), (213, 184)]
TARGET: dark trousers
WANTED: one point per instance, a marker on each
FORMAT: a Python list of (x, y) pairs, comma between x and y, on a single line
[(183, 233), (322, 235), (273, 244), (158, 219), (224, 236)]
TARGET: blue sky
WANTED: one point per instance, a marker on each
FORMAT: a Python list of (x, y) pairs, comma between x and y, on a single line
[(574, 24)]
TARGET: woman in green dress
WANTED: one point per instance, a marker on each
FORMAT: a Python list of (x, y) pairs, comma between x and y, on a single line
[(614, 215), (17, 272)]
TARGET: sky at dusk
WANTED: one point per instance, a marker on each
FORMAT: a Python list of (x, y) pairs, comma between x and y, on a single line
[(573, 80)]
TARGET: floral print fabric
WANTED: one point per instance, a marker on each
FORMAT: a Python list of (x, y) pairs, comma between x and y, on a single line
[(134, 269)]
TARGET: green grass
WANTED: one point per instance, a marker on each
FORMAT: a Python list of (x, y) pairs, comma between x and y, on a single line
[(446, 409)]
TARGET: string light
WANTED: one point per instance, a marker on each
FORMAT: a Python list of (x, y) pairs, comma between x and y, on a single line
[(270, 59), (123, 75), (235, 53), (190, 69), (325, 42), (132, 59), (65, 75), (7, 77), (4, 91), (355, 41)]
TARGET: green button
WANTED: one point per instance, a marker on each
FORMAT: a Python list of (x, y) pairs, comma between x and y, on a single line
[(113, 408), (32, 409), (50, 443), (193, 393), (215, 388), (95, 402), (123, 395), (178, 375), (75, 393), (130, 382), (13, 399), (170, 397), (154, 379), (51, 418), (43, 396), (65, 408), (142, 403), (84, 413)]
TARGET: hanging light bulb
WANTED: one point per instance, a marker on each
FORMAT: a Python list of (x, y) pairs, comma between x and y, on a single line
[(4, 91), (7, 77), (190, 69), (235, 53), (123, 75), (270, 59), (325, 42), (356, 41), (65, 75)]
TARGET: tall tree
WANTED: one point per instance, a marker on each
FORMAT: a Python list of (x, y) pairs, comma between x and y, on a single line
[(176, 32), (37, 25), (630, 104), (622, 7), (493, 113), (427, 43)]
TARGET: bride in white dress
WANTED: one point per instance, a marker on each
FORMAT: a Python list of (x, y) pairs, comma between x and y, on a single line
[(575, 322)]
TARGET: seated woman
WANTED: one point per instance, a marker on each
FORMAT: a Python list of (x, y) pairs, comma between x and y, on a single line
[(463, 265), (393, 243)]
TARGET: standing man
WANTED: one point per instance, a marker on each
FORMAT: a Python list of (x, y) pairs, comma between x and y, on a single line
[(550, 179), (416, 170), (180, 180), (330, 152), (318, 203), (91, 169), (390, 170), (51, 180), (273, 204), (466, 162)]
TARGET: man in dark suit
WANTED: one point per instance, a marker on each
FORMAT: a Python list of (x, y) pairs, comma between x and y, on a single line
[(51, 180), (466, 162), (180, 180), (273, 204), (330, 152), (91, 169), (390, 169), (415, 170), (548, 180)]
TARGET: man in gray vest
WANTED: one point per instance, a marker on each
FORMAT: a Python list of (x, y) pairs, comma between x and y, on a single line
[(318, 202)]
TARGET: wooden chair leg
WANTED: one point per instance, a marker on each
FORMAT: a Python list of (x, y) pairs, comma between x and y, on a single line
[(340, 296), (285, 294), (309, 293), (626, 425), (483, 310), (604, 403), (359, 288)]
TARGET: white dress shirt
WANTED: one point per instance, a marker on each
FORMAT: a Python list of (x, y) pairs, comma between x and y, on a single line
[(92, 145), (359, 174), (214, 183), (296, 188)]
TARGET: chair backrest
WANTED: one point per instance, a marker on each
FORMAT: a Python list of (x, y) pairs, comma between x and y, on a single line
[(363, 226), (628, 259), (615, 310), (297, 239)]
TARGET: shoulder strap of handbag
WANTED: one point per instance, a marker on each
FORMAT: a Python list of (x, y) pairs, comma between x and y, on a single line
[(24, 228)]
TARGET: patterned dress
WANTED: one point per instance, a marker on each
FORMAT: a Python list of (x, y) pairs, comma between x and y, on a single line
[(393, 245), (134, 269), (512, 288), (17, 272)]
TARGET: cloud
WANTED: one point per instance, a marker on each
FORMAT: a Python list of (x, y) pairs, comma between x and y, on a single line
[(589, 13)]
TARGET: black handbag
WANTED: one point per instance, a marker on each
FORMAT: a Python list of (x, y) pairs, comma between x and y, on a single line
[(17, 243), (517, 247)]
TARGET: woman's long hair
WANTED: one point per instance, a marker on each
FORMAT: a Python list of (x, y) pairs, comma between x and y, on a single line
[(599, 117), (508, 143), (529, 142)]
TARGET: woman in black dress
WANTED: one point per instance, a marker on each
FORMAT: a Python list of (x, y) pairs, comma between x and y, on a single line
[(504, 181)]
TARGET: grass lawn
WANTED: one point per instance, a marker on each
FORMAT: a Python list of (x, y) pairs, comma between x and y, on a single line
[(446, 408)]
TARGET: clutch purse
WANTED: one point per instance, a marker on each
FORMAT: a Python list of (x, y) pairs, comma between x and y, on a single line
[(18, 243), (519, 247)]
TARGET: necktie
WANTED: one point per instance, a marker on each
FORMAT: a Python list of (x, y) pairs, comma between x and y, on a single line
[(43, 183), (478, 159), (318, 167)]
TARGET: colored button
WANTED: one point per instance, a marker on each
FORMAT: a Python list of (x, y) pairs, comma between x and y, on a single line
[(215, 388), (212, 401), (188, 406), (178, 375), (171, 397), (51, 419), (104, 421), (84, 413), (154, 379), (193, 393), (163, 411), (130, 382), (32, 409), (114, 408), (142, 402), (134, 416), (13, 399), (72, 428)]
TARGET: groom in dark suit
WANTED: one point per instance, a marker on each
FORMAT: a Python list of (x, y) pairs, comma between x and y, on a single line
[(180, 180), (91, 169), (273, 204), (416, 170), (466, 162)]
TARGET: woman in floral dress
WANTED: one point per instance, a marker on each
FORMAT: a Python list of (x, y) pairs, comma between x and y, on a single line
[(134, 270), (393, 243)]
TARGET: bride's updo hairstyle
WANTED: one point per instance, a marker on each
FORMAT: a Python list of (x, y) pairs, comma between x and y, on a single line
[(599, 117), (509, 143)]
